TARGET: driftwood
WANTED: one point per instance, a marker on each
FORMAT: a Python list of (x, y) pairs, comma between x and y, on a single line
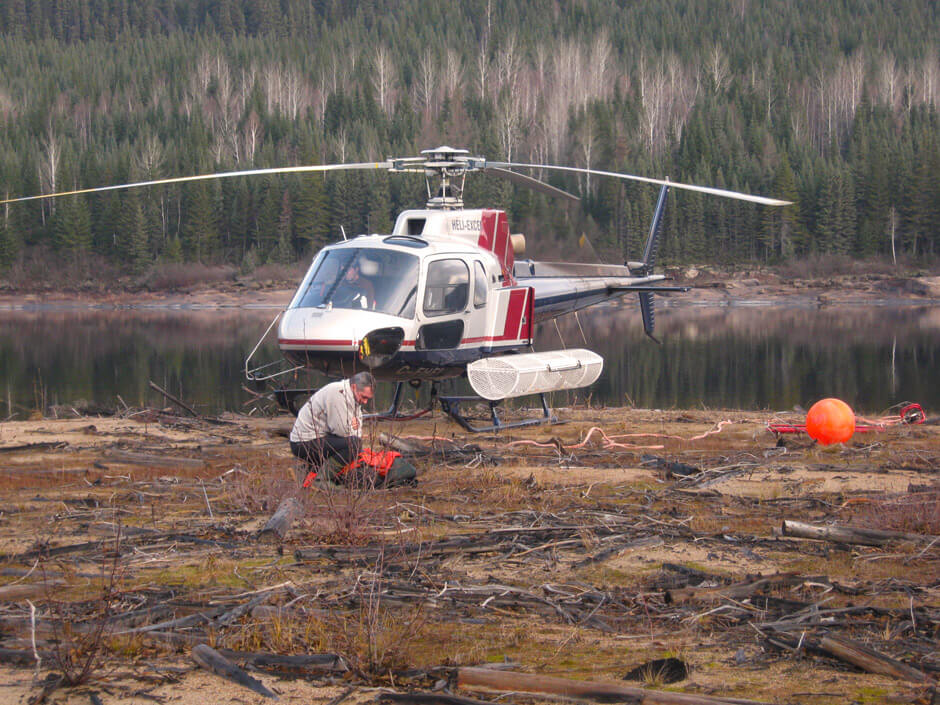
[(303, 662), (187, 621), (173, 399), (870, 660), (602, 691), (604, 554), (851, 652), (849, 534), (287, 511), (429, 699), (160, 461), (49, 445), (216, 663), (22, 657), (24, 591), (736, 591)]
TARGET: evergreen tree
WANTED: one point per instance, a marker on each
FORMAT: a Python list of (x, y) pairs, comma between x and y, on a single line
[(283, 253), (269, 214), (311, 223), (200, 224), (134, 240), (71, 226), (781, 232), (380, 205), (8, 245)]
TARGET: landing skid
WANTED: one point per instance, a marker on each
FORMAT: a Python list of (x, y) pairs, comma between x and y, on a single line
[(293, 399), (392, 414), (451, 407)]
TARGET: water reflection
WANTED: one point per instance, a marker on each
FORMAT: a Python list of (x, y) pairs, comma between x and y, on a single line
[(66, 355), (762, 357), (711, 356)]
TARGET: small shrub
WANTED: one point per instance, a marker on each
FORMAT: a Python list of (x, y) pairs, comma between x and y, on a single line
[(169, 277)]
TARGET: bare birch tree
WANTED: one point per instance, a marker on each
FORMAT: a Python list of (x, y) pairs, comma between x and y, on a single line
[(508, 65), (49, 157), (586, 137), (930, 78), (453, 72), (426, 84), (252, 132), (716, 63), (509, 121), (889, 81), (383, 72), (482, 70)]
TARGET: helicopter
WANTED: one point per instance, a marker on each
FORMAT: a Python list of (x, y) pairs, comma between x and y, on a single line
[(446, 293)]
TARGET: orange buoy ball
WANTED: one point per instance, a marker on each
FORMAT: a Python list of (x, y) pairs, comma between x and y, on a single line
[(830, 421)]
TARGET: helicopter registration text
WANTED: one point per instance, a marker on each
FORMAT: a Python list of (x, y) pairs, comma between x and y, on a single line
[(465, 225)]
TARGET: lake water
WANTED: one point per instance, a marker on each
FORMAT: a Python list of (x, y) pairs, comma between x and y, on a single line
[(748, 357)]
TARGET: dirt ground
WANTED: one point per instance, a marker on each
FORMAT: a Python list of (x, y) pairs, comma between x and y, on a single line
[(580, 550)]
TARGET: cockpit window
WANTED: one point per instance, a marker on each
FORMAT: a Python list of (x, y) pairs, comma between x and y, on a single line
[(479, 284), (447, 288), (361, 278)]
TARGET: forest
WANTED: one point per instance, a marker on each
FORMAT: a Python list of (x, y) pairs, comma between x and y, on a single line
[(831, 105)]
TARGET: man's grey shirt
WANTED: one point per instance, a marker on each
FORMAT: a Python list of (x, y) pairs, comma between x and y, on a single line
[(333, 409)]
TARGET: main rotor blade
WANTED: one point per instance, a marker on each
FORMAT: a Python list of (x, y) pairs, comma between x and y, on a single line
[(659, 182), (531, 183), (208, 177)]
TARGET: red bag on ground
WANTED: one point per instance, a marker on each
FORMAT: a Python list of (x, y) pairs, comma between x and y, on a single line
[(379, 462)]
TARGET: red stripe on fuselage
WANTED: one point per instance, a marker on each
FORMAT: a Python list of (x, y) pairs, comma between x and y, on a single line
[(514, 314), (291, 341)]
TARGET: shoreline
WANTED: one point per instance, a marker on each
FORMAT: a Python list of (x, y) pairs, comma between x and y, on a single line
[(717, 288)]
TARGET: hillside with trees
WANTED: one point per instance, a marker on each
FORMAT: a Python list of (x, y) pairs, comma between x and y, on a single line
[(831, 105)]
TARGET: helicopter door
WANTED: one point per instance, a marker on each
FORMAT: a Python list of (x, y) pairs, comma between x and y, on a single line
[(445, 304)]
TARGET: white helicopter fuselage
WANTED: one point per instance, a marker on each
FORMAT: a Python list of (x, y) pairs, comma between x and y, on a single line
[(441, 291)]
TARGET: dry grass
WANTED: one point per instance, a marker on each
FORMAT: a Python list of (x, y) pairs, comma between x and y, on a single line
[(337, 602), (916, 513)]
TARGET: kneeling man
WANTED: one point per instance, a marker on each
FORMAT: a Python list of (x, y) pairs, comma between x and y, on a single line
[(329, 425)]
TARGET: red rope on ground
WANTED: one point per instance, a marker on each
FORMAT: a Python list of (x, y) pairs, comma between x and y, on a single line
[(612, 441), (910, 413)]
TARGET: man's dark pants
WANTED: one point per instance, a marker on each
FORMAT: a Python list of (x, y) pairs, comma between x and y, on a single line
[(315, 453)]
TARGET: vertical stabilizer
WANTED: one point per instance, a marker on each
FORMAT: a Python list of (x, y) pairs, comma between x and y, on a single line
[(647, 303)]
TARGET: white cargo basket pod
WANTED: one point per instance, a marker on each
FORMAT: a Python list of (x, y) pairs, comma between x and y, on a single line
[(534, 373)]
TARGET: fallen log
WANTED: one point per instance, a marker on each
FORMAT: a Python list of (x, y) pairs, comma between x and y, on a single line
[(23, 657), (694, 575), (602, 691), (24, 591), (850, 534), (429, 699), (279, 523), (736, 591), (870, 660), (398, 444), (173, 399), (214, 662), (302, 662), (160, 461), (645, 542), (851, 652), (188, 621), (49, 445)]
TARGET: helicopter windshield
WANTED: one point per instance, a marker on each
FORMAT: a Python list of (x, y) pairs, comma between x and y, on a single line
[(362, 278)]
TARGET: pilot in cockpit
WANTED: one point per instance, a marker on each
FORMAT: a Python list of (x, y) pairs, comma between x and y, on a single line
[(355, 290)]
